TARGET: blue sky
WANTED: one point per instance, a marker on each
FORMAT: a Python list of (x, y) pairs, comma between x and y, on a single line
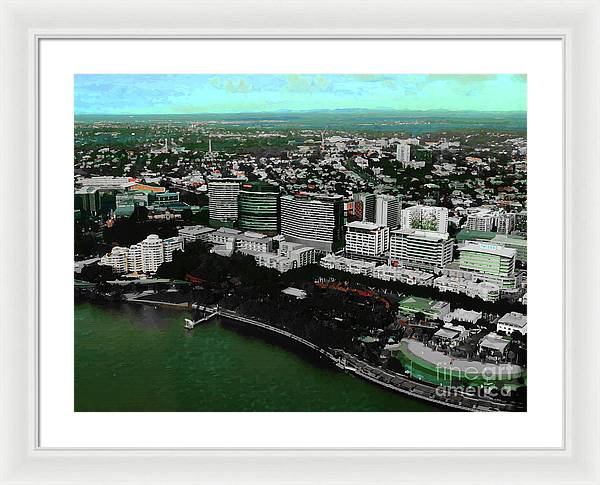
[(242, 93)]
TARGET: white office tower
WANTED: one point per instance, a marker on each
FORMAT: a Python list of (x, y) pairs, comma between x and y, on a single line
[(171, 245), (387, 210), (423, 250), (403, 153), (152, 253), (489, 262), (314, 220), (223, 198), (366, 238), (425, 218)]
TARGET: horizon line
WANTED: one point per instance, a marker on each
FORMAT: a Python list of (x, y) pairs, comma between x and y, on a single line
[(283, 111)]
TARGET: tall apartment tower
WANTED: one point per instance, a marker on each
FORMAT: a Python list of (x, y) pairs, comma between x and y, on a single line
[(223, 200), (425, 218), (403, 153), (152, 253), (387, 210), (314, 220), (364, 207)]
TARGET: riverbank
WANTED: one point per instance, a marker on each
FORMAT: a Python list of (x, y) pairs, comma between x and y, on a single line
[(138, 358), (457, 400)]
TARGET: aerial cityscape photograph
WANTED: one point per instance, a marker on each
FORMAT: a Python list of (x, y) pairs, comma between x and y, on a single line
[(300, 242)]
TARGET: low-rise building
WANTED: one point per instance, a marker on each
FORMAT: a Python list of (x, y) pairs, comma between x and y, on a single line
[(512, 321), (494, 345), (192, 234), (353, 266), (388, 272), (460, 315), (432, 309), (468, 286)]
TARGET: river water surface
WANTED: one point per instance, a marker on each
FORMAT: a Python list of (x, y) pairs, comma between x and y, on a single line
[(138, 358)]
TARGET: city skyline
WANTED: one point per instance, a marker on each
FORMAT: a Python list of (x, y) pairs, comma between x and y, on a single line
[(166, 94)]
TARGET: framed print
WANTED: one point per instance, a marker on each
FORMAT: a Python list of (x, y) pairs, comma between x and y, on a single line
[(279, 254)]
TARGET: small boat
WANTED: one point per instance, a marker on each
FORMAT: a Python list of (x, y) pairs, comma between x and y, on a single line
[(190, 324)]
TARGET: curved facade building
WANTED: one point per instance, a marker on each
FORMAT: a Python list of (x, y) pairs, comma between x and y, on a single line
[(313, 220), (258, 207)]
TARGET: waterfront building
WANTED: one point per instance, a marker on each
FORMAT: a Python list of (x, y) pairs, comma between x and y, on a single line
[(288, 256), (258, 207), (417, 249), (512, 321), (387, 210), (403, 153), (489, 262), (135, 261), (366, 238), (353, 266), (152, 253), (146, 256), (313, 219), (425, 218), (494, 345), (388, 272), (364, 207), (171, 245), (223, 200), (432, 309), (117, 259)]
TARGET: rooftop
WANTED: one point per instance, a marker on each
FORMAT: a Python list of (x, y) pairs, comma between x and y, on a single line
[(514, 319), (487, 248)]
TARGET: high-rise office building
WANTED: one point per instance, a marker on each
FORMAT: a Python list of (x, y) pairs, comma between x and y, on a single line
[(425, 218), (88, 199), (489, 262), (364, 207), (314, 220), (417, 249), (223, 200), (258, 207), (366, 238), (387, 210)]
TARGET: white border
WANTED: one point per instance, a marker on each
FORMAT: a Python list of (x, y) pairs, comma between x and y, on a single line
[(540, 427), (21, 24)]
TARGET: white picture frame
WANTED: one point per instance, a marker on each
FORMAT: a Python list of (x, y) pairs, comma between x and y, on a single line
[(24, 24)]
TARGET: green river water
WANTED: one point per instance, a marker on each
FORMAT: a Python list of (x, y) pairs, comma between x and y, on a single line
[(138, 358)]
